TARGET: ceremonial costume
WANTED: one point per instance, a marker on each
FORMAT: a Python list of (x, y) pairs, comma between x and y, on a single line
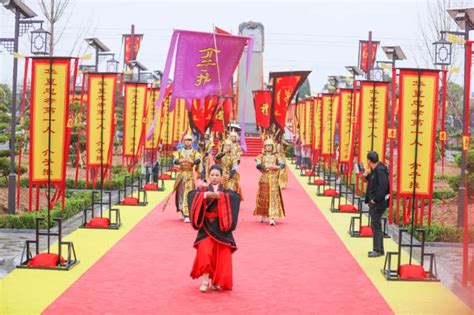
[(215, 219), (269, 199), (236, 149), (229, 162), (185, 180)]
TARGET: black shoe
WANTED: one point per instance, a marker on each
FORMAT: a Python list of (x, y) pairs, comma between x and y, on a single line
[(374, 254)]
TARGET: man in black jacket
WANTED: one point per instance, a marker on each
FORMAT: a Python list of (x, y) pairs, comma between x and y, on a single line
[(378, 191)]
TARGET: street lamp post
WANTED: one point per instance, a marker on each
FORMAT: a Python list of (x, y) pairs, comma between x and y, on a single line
[(20, 10), (393, 53), (99, 48), (464, 18)]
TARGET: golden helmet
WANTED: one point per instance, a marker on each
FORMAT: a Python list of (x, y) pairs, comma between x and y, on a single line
[(234, 134), (227, 142), (188, 136), (269, 141)]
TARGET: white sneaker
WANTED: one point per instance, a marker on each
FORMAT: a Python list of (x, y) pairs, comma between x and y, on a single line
[(262, 219), (186, 220), (272, 222)]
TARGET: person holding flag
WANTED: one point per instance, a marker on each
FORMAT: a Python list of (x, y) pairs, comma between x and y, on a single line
[(186, 158)]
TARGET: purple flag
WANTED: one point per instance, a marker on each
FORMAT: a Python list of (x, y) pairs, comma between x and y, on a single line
[(205, 63)]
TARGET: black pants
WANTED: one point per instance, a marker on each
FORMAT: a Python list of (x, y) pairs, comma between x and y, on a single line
[(376, 225)]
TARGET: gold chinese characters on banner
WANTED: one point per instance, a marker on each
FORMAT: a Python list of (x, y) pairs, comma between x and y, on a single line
[(373, 119), (100, 118), (151, 112), (417, 131), (346, 108), (134, 114), (329, 116), (317, 124), (49, 112)]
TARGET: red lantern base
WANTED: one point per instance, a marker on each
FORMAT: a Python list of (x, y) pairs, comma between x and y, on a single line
[(98, 222), (45, 260), (130, 201), (330, 193), (366, 231), (348, 208), (165, 176), (151, 186), (320, 182), (412, 272)]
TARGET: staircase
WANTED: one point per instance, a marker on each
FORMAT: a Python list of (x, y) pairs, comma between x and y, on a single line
[(254, 146)]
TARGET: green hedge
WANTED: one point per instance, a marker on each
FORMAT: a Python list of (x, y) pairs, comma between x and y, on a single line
[(438, 232), (74, 203)]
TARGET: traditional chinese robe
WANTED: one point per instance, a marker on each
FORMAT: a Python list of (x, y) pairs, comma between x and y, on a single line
[(185, 180), (215, 219), (269, 199)]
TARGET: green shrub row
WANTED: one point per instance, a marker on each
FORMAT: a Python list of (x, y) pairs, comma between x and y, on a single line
[(74, 203)]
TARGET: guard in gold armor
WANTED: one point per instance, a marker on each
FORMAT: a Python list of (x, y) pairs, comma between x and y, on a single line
[(269, 199), (229, 163), (186, 158), (236, 149)]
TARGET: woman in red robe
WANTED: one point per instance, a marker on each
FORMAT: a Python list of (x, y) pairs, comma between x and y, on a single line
[(214, 212)]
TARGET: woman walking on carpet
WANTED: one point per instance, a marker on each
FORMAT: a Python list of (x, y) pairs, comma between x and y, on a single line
[(269, 199), (214, 212)]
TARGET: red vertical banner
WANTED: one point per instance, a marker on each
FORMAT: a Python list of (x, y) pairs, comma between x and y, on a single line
[(373, 119), (364, 62), (417, 136), (329, 115), (49, 136), (262, 101), (222, 115), (100, 122), (285, 86), (128, 47), (133, 120)]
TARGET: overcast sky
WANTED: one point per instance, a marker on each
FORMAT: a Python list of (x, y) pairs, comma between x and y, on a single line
[(321, 36)]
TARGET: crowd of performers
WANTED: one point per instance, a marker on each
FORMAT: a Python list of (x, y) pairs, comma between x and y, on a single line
[(208, 193)]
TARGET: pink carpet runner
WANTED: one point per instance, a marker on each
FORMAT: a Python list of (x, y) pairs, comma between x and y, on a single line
[(298, 266)]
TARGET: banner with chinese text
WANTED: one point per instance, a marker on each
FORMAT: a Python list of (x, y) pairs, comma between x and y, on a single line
[(222, 117), (285, 86), (48, 120), (417, 132), (346, 139), (180, 120), (364, 54), (151, 112), (308, 122), (262, 101), (373, 119), (133, 117), (329, 116), (317, 126), (128, 47), (100, 118)]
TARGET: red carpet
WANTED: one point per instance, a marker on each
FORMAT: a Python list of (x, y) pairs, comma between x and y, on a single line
[(298, 266)]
